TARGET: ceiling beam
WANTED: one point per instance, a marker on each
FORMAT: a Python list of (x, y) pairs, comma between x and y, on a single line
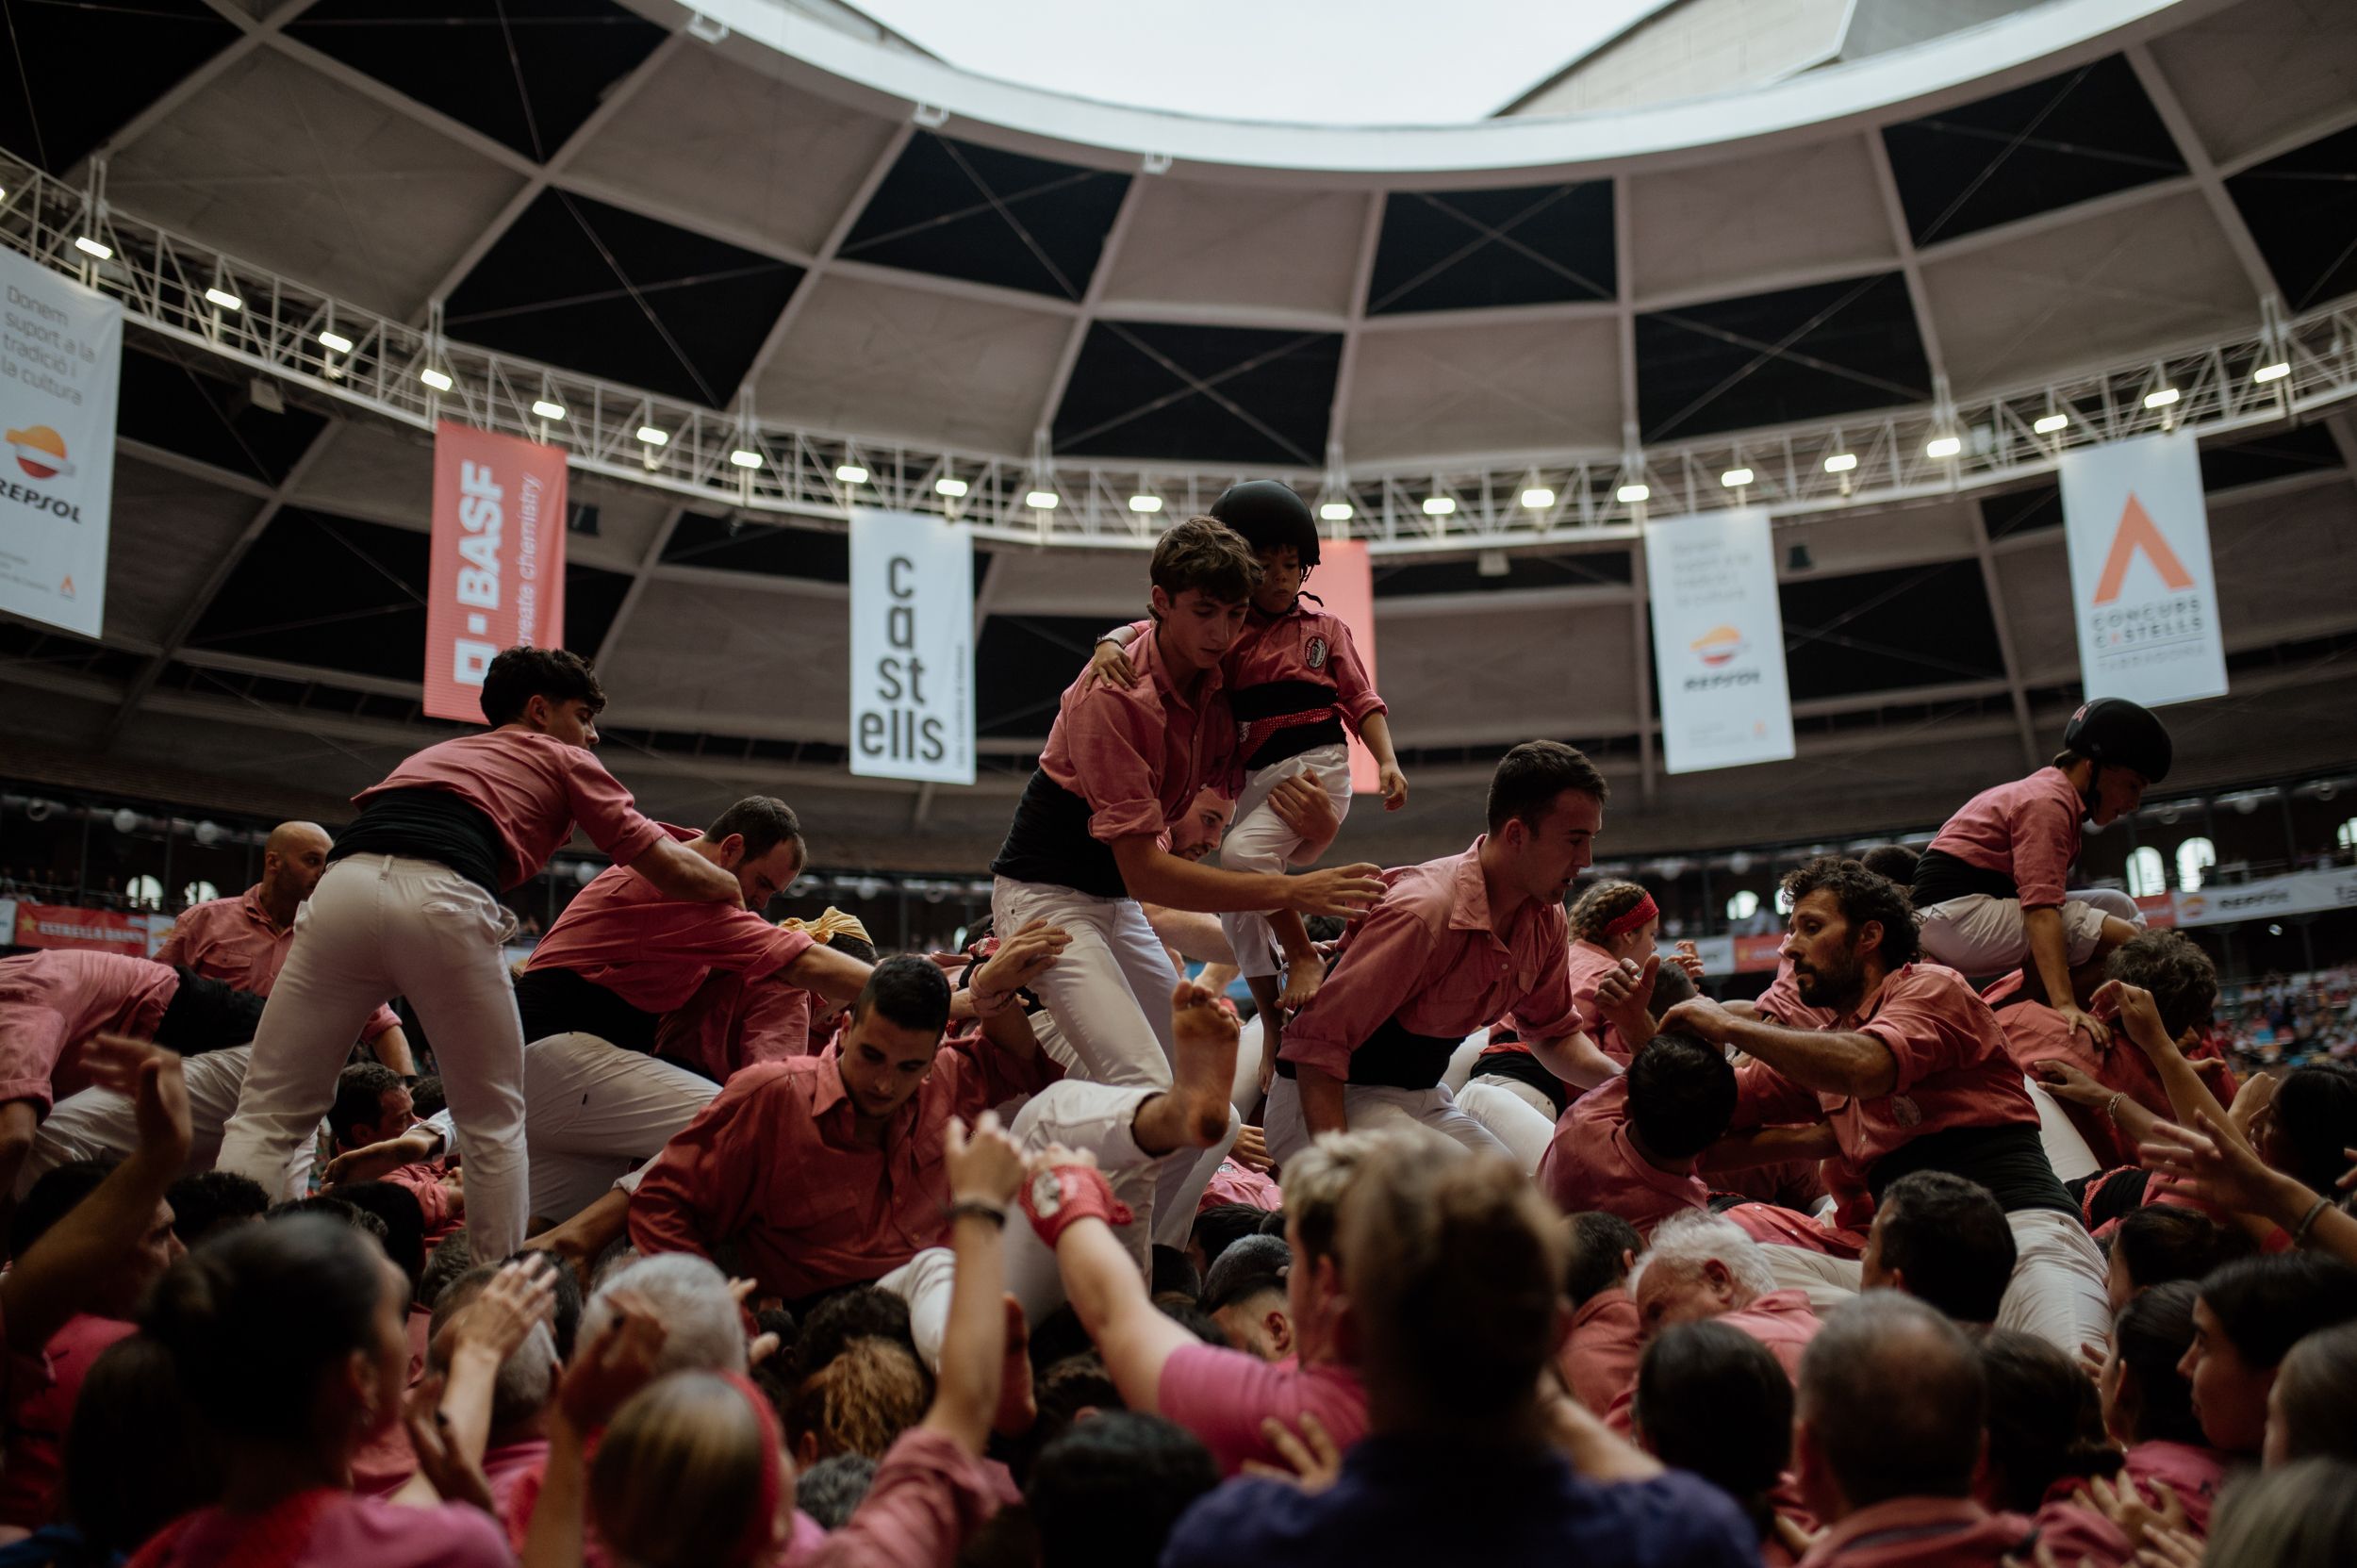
[(252, 34), (400, 103), (1895, 213), (2204, 170), (2001, 617), (1354, 327), (647, 563), (1042, 423)]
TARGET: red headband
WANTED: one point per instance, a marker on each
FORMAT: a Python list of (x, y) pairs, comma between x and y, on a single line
[(756, 1545), (1642, 911)]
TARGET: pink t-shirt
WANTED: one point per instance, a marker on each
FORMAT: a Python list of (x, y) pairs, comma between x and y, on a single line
[(2028, 829), (621, 933), (533, 789), (41, 1405), (928, 1497), (1235, 1184), (364, 1532), (1599, 1357), (1139, 755), (1590, 965), (1223, 1396), (1592, 1163), (51, 1002), (2035, 1032), (1777, 1226), (2195, 1474), (233, 941)]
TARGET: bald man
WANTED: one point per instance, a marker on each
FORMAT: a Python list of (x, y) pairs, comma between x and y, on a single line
[(242, 941)]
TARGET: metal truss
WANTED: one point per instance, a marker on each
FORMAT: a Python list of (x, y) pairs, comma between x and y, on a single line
[(245, 315)]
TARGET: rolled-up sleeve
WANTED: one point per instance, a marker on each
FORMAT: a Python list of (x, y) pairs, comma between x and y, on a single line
[(1116, 776), (928, 1497), (605, 810), (1377, 974), (1765, 1098), (1354, 691)]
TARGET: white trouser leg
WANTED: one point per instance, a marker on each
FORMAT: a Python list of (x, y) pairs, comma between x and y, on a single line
[(593, 1111), (1098, 1117), (1828, 1280), (2067, 1148), (337, 973), (99, 1124), (1260, 841), (1372, 1108), (925, 1282), (1981, 935), (1179, 1191), (2057, 1289), (1282, 1126), (1514, 1113)]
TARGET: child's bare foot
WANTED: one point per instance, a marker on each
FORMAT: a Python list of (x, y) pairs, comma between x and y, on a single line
[(1203, 1031), (1305, 971)]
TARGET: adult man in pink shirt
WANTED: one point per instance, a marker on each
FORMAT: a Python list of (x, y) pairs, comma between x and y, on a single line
[(54, 1004), (1456, 944), (1122, 765), (243, 941), (1990, 886), (1219, 1395), (1628, 1146), (1911, 1075), (1701, 1265), (410, 906)]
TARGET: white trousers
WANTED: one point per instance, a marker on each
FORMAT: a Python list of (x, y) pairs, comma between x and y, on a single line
[(2067, 1148), (1260, 841), (1514, 1113), (1828, 1280), (594, 1112), (99, 1124), (1093, 1117), (1372, 1108), (1977, 934), (2057, 1289), (375, 928)]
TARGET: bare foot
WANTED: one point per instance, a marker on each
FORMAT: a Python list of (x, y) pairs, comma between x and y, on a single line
[(1305, 971), (1203, 1030)]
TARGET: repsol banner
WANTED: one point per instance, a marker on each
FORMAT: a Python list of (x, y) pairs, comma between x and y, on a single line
[(2301, 893), (498, 573), (1718, 640), (60, 360), (911, 648)]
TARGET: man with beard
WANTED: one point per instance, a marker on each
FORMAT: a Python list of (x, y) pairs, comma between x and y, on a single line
[(1911, 1073)]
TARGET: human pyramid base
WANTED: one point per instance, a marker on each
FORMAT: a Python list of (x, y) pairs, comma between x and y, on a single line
[(1490, 1238)]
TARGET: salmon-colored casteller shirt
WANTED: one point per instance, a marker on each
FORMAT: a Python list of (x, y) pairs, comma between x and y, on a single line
[(533, 789), (234, 941)]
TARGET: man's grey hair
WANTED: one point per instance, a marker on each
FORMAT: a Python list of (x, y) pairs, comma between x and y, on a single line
[(1686, 1242), (705, 1329), (1316, 1179)]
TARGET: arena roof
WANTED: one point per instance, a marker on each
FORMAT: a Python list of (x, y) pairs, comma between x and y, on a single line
[(620, 193)]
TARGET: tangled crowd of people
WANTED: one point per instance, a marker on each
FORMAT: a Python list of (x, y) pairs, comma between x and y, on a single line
[(1491, 1237)]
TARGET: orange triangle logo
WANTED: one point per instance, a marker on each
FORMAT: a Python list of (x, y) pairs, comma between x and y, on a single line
[(66, 587), (2136, 532)]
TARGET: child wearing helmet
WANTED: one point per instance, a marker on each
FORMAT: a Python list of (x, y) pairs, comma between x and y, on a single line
[(1294, 679), (1989, 889)]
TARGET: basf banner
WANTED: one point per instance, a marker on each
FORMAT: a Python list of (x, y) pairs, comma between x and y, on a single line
[(498, 576), (2141, 586), (1718, 641), (911, 648), (60, 358), (1344, 583)]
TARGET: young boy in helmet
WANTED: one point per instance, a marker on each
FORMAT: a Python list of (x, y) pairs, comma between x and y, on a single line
[(1294, 679), (1989, 888)]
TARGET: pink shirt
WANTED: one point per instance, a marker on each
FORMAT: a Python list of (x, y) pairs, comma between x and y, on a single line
[(1223, 1396), (1592, 1163), (928, 1497), (428, 1182), (1304, 646), (737, 1021), (1235, 1184), (1781, 1320), (54, 1000), (2081, 1536), (1427, 957), (1776, 1225), (533, 789), (621, 933), (2035, 1032), (776, 1165), (1589, 964), (2028, 828), (2193, 1473), (41, 1407), (233, 941), (1953, 1071), (1139, 755), (1920, 1532), (365, 1531), (1599, 1358)]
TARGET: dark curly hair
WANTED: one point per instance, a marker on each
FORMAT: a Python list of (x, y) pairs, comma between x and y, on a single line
[(2182, 978), (1863, 897)]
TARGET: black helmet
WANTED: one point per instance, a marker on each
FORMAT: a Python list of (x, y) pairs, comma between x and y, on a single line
[(2115, 730), (1268, 514)]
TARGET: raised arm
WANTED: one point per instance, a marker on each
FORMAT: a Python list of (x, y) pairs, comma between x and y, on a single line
[(836, 976), (678, 872), (2141, 1015), (1830, 1062), (984, 1169), (1100, 1278)]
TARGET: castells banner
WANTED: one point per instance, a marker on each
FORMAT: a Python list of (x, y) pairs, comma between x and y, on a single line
[(1718, 641), (911, 648), (60, 360), (2141, 586), (498, 575)]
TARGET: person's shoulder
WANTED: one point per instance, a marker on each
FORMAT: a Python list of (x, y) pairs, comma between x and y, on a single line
[(1238, 1523), (450, 1535), (1672, 1518)]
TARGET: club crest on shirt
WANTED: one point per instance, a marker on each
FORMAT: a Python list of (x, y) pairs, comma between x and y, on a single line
[(1905, 1110), (1317, 653)]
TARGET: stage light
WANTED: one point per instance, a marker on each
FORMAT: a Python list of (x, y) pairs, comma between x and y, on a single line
[(1439, 505), (2050, 423), (1146, 503), (950, 488), (745, 457), (547, 411), (2276, 371), (652, 436), (92, 247), (851, 474), (1538, 497), (2161, 398), (1041, 501), (434, 379), (1335, 511), (1841, 462), (1942, 446), (1632, 492), (1735, 478), (225, 299), (335, 343)]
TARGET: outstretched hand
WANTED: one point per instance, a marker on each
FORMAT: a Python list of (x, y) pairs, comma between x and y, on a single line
[(1624, 993), (2216, 1166), (984, 1166), (1302, 805), (1313, 1461), (1349, 891), (1020, 960), (521, 1294), (150, 1077)]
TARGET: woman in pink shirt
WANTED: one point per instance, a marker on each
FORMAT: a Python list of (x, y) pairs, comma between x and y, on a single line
[(2148, 1405), (289, 1340), (410, 905)]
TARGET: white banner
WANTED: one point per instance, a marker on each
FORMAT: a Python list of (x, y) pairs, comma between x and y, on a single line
[(60, 359), (911, 648), (2141, 585), (2301, 893), (1718, 641)]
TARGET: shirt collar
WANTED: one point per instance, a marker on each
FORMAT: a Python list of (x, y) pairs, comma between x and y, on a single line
[(1159, 671), (1469, 909), (832, 1103), (1882, 994), (255, 910), (1898, 1513)]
